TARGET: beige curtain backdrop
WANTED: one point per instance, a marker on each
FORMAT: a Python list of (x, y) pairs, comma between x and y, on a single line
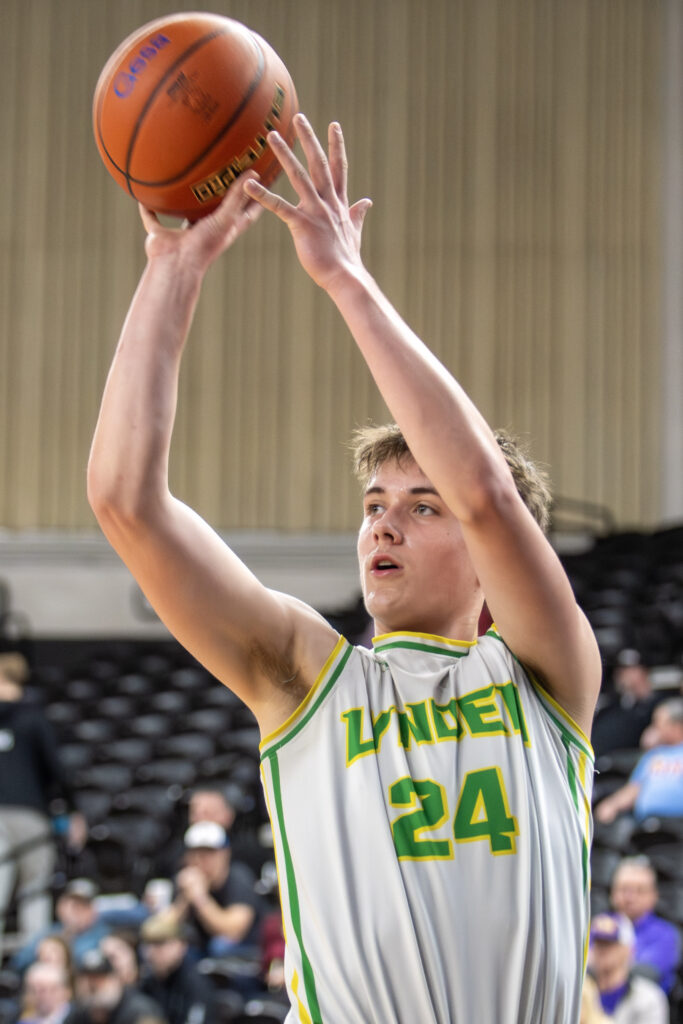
[(512, 149)]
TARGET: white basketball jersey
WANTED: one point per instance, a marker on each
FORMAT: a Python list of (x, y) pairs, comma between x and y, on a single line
[(430, 806)]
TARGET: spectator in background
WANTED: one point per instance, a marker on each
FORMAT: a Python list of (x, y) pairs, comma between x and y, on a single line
[(207, 803), (123, 957), (102, 998), (210, 803), (657, 941), (591, 1009), (623, 715), (171, 977), (273, 953), (655, 787), (30, 777), (55, 949), (215, 896), (625, 997), (46, 994), (77, 922)]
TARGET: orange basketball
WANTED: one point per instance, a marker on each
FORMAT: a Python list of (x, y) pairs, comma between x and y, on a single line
[(183, 107)]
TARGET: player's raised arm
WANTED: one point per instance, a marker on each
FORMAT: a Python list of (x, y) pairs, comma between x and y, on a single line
[(525, 586), (246, 635)]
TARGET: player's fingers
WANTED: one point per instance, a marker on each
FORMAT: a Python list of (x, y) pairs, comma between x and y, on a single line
[(316, 158), (339, 166), (296, 172), (358, 211), (252, 211), (149, 218), (234, 202), (268, 200)]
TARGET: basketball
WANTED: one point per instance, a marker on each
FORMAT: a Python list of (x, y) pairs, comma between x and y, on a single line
[(183, 107)]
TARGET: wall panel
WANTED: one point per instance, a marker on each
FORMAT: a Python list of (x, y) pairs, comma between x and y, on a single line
[(512, 150)]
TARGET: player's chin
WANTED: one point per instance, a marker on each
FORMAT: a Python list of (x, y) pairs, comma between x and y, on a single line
[(389, 611)]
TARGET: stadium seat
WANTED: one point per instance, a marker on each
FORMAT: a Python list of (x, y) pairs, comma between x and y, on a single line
[(189, 680), (196, 746), (169, 771), (616, 835), (156, 799), (62, 714), (135, 684), (141, 832), (94, 804), (94, 730), (150, 725), (169, 702), (131, 750), (117, 706), (244, 740), (76, 755), (110, 777), (603, 864), (82, 690), (213, 721)]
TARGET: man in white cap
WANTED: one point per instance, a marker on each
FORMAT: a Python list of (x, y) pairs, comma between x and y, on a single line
[(216, 896)]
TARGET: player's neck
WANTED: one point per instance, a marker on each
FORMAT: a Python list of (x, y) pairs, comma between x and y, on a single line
[(460, 627)]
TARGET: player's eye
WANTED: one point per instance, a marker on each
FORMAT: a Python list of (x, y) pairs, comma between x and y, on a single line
[(425, 510)]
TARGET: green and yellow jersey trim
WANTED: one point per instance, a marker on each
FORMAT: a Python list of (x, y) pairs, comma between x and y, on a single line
[(327, 676), (428, 642)]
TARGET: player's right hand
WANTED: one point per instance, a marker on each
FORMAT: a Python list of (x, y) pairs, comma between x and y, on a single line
[(198, 245)]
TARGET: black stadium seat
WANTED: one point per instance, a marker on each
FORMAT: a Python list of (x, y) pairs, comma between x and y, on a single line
[(603, 865), (131, 750), (110, 777), (196, 746), (151, 725), (168, 770)]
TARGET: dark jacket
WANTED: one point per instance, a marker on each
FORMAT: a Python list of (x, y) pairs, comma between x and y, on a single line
[(184, 994)]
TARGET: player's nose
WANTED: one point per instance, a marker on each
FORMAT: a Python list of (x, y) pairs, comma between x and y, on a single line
[(387, 525)]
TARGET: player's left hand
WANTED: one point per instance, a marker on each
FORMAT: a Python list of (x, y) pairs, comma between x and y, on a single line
[(325, 229)]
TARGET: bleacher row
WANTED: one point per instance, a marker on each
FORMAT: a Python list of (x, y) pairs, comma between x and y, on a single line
[(138, 726)]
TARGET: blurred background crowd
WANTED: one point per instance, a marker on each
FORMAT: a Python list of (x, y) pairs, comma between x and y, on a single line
[(137, 876)]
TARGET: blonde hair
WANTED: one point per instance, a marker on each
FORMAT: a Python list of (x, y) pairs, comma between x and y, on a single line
[(372, 446)]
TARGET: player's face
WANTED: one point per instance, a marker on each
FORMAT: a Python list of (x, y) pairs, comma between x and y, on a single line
[(415, 570)]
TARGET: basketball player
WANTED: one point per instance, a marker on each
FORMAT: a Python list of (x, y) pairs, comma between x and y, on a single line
[(430, 799)]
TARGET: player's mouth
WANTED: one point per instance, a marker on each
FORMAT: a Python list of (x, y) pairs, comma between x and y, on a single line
[(384, 565)]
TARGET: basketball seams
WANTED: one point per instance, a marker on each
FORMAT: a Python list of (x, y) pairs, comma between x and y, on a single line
[(187, 52), (185, 55), (151, 135), (235, 116), (125, 172)]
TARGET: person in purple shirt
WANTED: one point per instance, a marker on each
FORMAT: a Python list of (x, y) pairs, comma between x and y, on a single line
[(656, 783), (657, 942)]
